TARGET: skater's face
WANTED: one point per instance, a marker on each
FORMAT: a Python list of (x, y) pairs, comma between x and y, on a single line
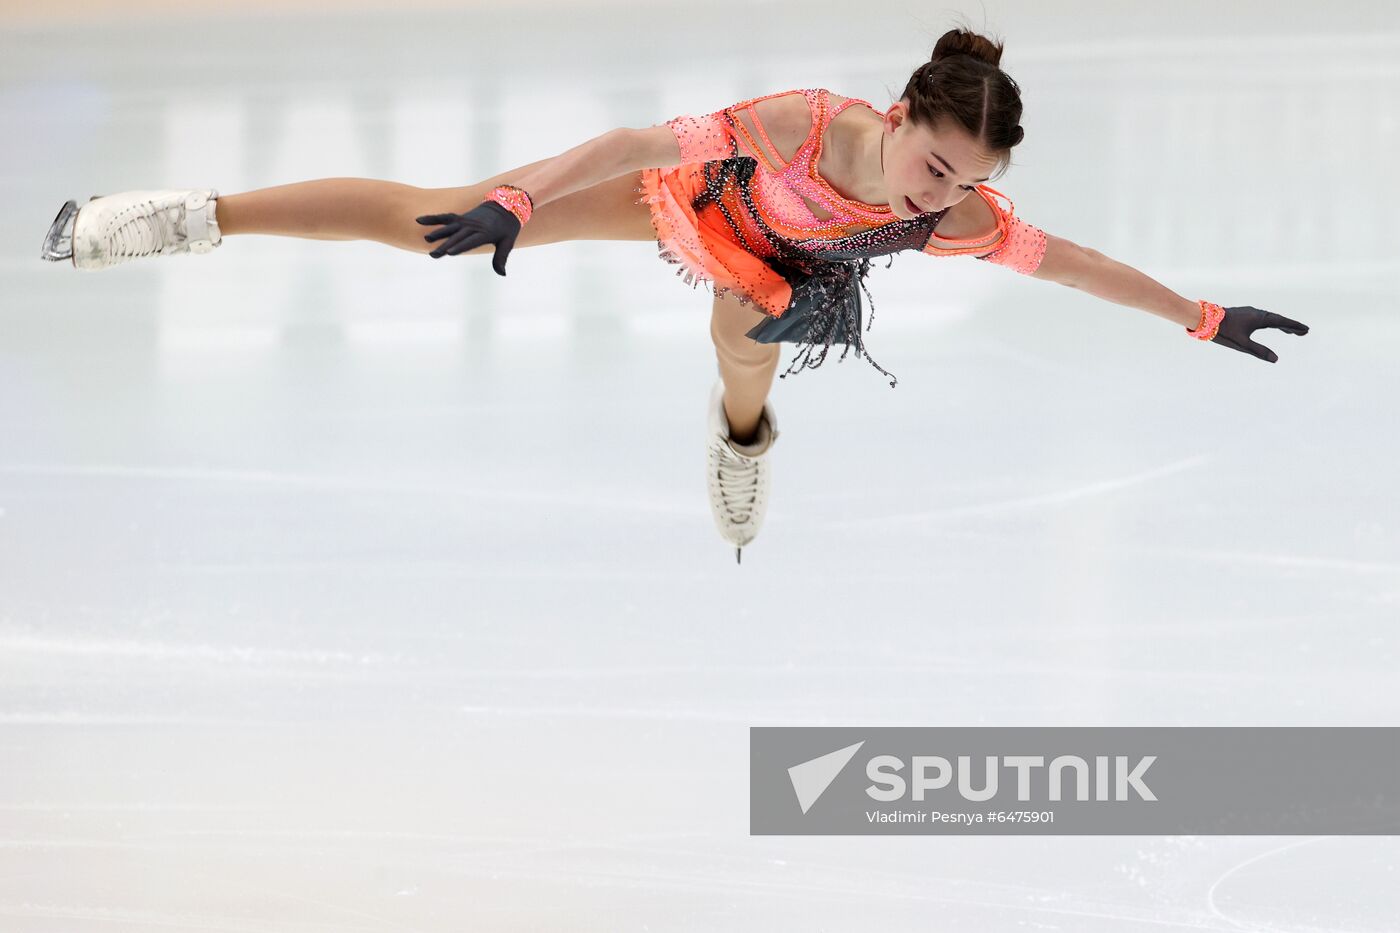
[(932, 167)]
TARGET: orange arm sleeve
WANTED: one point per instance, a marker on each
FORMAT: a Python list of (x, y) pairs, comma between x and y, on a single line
[(705, 138)]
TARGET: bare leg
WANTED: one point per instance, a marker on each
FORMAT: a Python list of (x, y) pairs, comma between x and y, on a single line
[(746, 366), (325, 209), (386, 212)]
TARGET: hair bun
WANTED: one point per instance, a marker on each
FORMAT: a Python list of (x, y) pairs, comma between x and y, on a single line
[(965, 42)]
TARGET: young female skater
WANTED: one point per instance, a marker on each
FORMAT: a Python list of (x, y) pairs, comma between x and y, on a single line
[(778, 202)]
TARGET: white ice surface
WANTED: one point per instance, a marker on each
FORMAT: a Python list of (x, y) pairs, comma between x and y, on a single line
[(341, 590)]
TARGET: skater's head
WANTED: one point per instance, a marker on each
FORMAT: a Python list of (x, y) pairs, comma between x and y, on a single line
[(953, 127)]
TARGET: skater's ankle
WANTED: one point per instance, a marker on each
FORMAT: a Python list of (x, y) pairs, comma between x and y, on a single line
[(228, 215), (743, 440)]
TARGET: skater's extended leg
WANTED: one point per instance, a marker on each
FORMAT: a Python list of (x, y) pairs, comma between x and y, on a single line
[(387, 212), (746, 366)]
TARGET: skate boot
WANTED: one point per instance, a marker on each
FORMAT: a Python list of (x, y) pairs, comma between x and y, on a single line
[(120, 227), (739, 474)]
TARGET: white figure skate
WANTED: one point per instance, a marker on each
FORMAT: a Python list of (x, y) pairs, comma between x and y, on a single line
[(117, 228), (739, 474)]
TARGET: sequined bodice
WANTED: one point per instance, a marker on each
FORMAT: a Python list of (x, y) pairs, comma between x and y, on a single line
[(785, 186), (754, 203), (774, 192), (775, 218)]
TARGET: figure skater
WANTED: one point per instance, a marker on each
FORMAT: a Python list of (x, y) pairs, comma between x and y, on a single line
[(778, 203)]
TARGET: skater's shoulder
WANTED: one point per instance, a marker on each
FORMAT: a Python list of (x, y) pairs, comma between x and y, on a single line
[(785, 118), (972, 218)]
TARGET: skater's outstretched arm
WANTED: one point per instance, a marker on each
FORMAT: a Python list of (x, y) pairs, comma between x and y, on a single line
[(975, 223), (1091, 271), (616, 152), (1088, 270), (497, 218), (509, 203)]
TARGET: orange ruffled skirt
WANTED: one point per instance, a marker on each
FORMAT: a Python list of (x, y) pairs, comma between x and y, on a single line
[(704, 245)]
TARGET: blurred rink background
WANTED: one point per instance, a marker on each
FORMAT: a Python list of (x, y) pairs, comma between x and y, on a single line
[(345, 590)]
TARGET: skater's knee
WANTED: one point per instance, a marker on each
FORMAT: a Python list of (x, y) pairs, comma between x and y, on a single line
[(752, 365), (734, 344)]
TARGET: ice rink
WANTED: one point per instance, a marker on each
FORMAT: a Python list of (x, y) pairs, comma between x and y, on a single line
[(343, 590)]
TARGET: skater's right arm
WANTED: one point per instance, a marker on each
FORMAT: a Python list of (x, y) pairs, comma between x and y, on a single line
[(681, 140), (656, 147), (509, 205), (688, 139), (620, 151)]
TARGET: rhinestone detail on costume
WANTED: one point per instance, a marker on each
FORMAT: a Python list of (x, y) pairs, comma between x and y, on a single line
[(516, 200)]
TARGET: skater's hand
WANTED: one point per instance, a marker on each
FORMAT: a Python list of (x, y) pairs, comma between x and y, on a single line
[(488, 222), (1239, 323)]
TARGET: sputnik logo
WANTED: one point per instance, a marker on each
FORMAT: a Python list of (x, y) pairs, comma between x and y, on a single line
[(810, 779)]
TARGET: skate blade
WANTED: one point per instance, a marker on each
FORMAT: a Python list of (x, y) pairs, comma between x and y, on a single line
[(58, 242)]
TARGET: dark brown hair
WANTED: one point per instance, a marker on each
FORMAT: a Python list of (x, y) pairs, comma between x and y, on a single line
[(963, 82)]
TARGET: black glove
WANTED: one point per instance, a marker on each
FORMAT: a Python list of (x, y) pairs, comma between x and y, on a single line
[(488, 222), (1239, 323)]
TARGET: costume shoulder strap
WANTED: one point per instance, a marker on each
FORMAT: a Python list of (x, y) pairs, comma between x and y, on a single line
[(768, 154), (844, 104)]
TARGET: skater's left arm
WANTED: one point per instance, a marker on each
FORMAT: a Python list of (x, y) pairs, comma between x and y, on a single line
[(1031, 251), (1089, 270)]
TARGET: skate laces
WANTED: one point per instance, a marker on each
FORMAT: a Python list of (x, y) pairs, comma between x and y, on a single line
[(146, 232), (738, 481)]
